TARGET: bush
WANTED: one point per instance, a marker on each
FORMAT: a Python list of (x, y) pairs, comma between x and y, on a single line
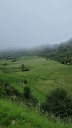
[(58, 103), (24, 68), (25, 81), (5, 64), (30, 100), (7, 90), (27, 92), (14, 60), (33, 101)]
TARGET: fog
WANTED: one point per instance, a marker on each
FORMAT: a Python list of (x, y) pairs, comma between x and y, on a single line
[(29, 23)]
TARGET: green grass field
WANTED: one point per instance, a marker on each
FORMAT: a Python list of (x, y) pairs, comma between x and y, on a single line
[(43, 76)]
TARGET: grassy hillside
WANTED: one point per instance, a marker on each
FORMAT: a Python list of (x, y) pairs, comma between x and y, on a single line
[(43, 76)]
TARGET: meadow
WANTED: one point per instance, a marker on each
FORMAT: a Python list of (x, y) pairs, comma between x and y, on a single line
[(43, 76)]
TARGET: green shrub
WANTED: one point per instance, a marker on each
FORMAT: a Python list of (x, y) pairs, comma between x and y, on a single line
[(33, 101), (27, 92), (59, 103), (23, 68), (7, 90), (5, 64), (29, 99), (25, 81), (14, 60)]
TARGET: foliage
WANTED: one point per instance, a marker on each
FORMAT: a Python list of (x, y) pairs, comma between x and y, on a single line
[(29, 99), (14, 60), (61, 53), (7, 90), (5, 64), (24, 68), (27, 92), (59, 103), (25, 81)]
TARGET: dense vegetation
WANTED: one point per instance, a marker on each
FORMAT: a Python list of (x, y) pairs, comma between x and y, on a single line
[(61, 52), (58, 103), (6, 90)]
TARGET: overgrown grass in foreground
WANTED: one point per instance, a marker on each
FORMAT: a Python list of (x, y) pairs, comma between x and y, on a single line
[(18, 116)]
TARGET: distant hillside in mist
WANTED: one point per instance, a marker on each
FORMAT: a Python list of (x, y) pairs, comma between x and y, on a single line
[(60, 52)]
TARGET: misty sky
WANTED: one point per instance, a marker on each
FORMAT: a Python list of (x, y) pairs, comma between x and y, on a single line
[(28, 23)]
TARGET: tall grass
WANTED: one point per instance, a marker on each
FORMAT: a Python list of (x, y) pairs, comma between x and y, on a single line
[(14, 115)]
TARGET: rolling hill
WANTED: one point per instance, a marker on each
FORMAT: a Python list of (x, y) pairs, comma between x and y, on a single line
[(43, 76)]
